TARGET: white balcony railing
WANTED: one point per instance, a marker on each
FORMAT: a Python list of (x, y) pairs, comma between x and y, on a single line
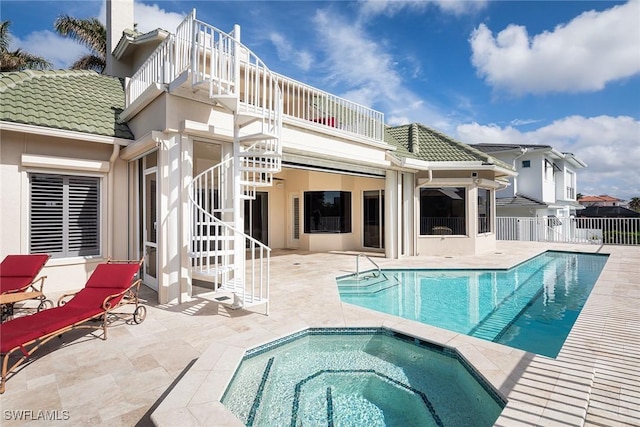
[(608, 231), (308, 103), (209, 54)]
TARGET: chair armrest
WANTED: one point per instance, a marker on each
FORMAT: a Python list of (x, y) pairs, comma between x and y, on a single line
[(62, 299), (34, 286)]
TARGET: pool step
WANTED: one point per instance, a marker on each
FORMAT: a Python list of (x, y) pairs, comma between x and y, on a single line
[(367, 285), (511, 307)]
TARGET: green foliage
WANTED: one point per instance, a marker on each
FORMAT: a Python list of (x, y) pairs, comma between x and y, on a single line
[(90, 33), (18, 59)]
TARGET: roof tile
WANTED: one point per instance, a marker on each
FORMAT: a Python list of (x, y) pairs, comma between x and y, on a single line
[(76, 100), (433, 146)]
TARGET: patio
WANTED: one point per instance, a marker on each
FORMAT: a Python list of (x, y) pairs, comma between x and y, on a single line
[(176, 364)]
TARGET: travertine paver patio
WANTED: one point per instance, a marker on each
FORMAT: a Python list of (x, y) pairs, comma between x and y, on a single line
[(177, 363)]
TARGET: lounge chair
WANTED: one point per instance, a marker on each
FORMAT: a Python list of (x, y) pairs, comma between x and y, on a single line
[(18, 282), (110, 286)]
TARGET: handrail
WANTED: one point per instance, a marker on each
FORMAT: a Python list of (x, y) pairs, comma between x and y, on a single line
[(256, 273), (228, 66), (370, 260)]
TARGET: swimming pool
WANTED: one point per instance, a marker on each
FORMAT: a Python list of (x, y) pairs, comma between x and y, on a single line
[(531, 306), (358, 377)]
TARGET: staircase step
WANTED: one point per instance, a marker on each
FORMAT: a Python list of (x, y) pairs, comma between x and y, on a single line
[(228, 101), (260, 154), (208, 272), (213, 253), (259, 169), (245, 118), (257, 137), (255, 184), (213, 238)]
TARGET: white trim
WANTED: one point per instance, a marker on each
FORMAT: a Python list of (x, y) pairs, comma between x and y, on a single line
[(51, 162), (140, 147), (62, 133), (330, 166), (453, 165), (149, 94)]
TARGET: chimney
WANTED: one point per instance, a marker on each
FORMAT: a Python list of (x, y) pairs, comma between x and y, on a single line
[(119, 18), (414, 139)]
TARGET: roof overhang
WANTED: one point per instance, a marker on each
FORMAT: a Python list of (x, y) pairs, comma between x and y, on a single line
[(572, 159), (462, 166), (62, 133), (129, 41)]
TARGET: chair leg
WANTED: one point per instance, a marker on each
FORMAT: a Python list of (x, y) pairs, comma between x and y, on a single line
[(5, 362)]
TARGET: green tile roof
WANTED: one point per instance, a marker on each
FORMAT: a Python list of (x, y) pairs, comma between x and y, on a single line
[(420, 142), (76, 100)]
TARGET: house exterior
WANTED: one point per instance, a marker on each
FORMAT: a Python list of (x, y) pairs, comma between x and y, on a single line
[(600, 201), (192, 154), (545, 184)]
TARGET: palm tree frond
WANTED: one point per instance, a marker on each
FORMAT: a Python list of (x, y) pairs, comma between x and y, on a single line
[(89, 32), (89, 62), (18, 59)]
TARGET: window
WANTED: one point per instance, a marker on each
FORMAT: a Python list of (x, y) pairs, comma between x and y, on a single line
[(443, 211), (526, 163), (327, 212), (65, 215), (484, 210)]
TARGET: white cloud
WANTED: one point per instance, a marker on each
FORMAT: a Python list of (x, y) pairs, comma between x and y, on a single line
[(583, 55), (301, 58), (61, 52), (149, 17), (373, 81), (370, 8), (608, 145)]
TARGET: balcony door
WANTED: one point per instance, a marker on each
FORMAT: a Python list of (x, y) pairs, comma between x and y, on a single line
[(256, 219), (150, 221), (373, 219)]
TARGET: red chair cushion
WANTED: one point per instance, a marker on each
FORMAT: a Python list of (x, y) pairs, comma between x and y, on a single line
[(14, 283), (90, 299), (112, 276), (24, 329), (22, 265)]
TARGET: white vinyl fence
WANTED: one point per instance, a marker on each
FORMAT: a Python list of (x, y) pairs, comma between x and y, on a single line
[(608, 231)]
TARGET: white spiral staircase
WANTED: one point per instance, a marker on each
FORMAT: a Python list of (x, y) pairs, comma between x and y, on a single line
[(220, 252)]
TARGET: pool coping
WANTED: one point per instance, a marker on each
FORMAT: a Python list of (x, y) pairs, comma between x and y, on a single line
[(537, 389)]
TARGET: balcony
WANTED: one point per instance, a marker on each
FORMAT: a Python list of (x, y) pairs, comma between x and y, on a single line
[(203, 58)]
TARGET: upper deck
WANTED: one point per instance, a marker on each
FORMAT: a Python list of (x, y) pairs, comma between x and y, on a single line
[(218, 66)]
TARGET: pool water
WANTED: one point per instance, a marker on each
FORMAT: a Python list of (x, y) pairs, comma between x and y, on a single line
[(359, 377), (532, 306)]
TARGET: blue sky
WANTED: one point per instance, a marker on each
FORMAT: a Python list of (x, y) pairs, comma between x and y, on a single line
[(562, 73)]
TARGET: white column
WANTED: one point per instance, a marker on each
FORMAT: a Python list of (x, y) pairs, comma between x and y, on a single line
[(391, 205), (186, 174), (169, 195), (408, 222)]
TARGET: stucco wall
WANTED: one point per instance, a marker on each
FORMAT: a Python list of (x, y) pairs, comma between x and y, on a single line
[(63, 274), (470, 244), (296, 182)]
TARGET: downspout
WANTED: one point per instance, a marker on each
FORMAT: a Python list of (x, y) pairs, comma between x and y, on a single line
[(523, 151), (112, 202)]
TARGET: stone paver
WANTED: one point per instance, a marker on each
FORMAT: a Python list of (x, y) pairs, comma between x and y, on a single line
[(177, 363)]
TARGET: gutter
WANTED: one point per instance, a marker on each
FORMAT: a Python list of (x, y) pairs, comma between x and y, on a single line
[(110, 198)]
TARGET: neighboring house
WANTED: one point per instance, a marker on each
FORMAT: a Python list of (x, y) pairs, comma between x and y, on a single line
[(608, 212), (602, 200), (200, 159), (546, 181)]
